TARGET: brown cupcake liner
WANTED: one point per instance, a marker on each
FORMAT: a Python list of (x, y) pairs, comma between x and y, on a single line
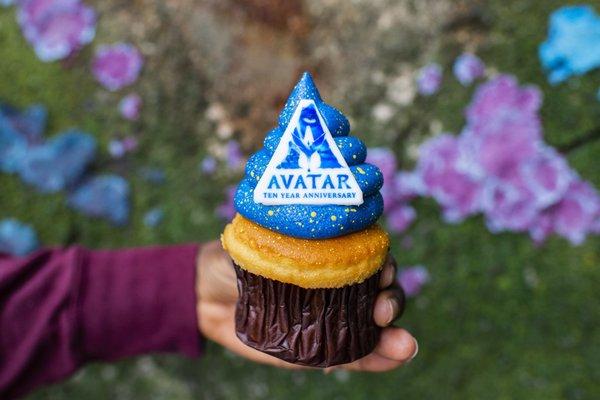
[(313, 327)]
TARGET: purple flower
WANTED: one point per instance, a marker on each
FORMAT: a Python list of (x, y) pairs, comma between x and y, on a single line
[(130, 106), (412, 279), (56, 28), (208, 165), (503, 128), (595, 227), (502, 101), (429, 79), (467, 68), (384, 159), (498, 154), (576, 214), (541, 226), (457, 192), (116, 66), (508, 206), (573, 44), (408, 185), (226, 210), (547, 175), (58, 163), (118, 148), (16, 238), (400, 217), (104, 196), (234, 154), (154, 217)]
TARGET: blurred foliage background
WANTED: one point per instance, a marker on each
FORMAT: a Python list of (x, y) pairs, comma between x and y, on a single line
[(501, 318)]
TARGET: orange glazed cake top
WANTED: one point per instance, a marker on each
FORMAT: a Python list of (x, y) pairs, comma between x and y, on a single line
[(308, 263)]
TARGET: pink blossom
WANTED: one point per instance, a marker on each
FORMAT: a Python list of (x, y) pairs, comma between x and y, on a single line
[(508, 206), (547, 175), (412, 279), (595, 228), (467, 68), (116, 66), (503, 128), (408, 185), (400, 217), (130, 106), (56, 28), (457, 192), (541, 227), (576, 214), (501, 101), (384, 159), (429, 79), (498, 153)]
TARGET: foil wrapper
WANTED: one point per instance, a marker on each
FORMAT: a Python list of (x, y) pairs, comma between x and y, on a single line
[(313, 327)]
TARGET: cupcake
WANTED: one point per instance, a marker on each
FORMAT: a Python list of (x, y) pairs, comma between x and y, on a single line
[(305, 243)]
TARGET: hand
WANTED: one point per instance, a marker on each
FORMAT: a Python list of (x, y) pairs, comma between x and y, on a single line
[(216, 289)]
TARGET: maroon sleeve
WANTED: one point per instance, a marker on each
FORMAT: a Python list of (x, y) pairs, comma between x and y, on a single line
[(60, 308)]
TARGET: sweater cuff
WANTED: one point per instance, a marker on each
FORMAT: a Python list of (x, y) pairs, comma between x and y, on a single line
[(138, 301)]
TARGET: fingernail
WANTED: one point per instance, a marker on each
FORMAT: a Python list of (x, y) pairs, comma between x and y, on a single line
[(393, 307), (416, 350), (389, 276)]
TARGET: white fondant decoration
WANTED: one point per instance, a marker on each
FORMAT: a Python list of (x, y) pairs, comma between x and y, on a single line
[(307, 167)]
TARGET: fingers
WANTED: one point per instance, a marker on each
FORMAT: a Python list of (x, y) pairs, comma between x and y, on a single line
[(216, 280), (389, 305), (220, 327), (397, 344), (388, 272), (396, 347), (373, 363)]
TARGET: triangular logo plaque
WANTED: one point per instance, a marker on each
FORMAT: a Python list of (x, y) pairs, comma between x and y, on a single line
[(307, 167)]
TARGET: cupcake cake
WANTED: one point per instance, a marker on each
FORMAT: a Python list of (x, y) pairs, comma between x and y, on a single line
[(305, 243)]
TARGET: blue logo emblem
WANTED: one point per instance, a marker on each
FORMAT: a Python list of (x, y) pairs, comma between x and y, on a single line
[(307, 166)]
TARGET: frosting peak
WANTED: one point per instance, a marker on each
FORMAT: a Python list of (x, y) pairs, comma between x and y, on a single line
[(306, 89), (310, 146)]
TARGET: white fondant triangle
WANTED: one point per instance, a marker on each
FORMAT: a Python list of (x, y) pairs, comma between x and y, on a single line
[(307, 167)]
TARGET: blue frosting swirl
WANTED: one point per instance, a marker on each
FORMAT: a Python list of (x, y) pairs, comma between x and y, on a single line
[(313, 221)]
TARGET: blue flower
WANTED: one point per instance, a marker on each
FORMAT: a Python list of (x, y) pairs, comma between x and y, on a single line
[(154, 217), (573, 44), (104, 196), (30, 122), (12, 146), (19, 130), (58, 163), (16, 238)]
